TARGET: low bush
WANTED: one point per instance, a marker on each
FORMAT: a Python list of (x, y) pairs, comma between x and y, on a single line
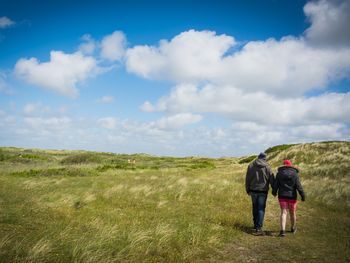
[(202, 165), (81, 158)]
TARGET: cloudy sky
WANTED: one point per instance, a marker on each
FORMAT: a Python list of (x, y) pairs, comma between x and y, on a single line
[(180, 78)]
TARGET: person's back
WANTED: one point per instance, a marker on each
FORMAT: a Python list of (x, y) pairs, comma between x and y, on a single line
[(258, 178), (287, 183)]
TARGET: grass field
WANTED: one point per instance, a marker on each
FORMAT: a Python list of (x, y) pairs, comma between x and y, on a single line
[(76, 206)]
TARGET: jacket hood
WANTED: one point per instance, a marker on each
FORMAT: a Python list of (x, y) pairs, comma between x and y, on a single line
[(288, 167), (260, 163)]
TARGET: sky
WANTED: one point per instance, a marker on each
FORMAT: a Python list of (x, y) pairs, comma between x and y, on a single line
[(176, 78)]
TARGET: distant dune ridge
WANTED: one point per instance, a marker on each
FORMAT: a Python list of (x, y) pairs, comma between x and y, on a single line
[(83, 206)]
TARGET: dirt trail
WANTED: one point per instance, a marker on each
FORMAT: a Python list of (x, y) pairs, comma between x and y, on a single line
[(322, 236)]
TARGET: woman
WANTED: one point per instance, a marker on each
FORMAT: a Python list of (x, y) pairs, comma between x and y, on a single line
[(287, 184)]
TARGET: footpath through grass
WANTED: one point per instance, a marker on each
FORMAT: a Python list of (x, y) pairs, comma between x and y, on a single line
[(322, 236), (59, 206)]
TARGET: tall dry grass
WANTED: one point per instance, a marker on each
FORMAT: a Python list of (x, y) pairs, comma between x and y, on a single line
[(58, 206)]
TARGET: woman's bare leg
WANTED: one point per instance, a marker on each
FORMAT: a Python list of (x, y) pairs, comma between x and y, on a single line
[(293, 218), (284, 213)]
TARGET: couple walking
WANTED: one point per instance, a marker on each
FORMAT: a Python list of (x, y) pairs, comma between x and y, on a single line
[(286, 184)]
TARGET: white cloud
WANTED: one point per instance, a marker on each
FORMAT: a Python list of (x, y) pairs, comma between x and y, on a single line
[(238, 139), (169, 123), (51, 124), (254, 136), (191, 55), (37, 108), (61, 74), (165, 136), (30, 108), (285, 67), (257, 107), (147, 107), (108, 122), (89, 45), (177, 121), (330, 22), (250, 133), (6, 22), (334, 131), (113, 46), (106, 99)]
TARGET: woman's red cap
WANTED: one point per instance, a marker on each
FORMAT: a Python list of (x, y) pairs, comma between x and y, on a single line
[(287, 163)]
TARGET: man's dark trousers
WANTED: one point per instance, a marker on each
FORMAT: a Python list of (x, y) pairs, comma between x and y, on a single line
[(259, 204)]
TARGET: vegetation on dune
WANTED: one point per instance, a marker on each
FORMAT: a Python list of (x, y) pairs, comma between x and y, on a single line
[(82, 158), (247, 159), (78, 206), (278, 148), (25, 156), (156, 163), (274, 151)]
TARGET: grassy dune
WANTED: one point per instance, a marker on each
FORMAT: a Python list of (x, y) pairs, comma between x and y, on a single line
[(76, 206)]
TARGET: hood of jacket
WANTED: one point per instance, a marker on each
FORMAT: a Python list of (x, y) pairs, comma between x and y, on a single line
[(260, 163), (286, 168)]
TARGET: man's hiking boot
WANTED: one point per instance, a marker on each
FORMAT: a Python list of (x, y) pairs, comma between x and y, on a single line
[(282, 233), (293, 230), (259, 232)]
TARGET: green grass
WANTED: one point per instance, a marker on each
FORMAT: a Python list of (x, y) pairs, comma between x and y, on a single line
[(75, 206)]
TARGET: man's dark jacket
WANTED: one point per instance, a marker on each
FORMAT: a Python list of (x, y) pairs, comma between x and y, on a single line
[(259, 176), (287, 183)]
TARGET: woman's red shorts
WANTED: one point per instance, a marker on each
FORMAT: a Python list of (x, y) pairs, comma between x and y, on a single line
[(289, 204)]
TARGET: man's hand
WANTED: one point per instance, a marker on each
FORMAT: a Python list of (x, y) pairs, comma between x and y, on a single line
[(303, 199)]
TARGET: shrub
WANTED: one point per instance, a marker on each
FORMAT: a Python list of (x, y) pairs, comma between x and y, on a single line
[(82, 158), (2, 156), (202, 165)]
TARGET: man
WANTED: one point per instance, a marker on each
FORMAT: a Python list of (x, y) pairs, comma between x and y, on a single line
[(259, 176)]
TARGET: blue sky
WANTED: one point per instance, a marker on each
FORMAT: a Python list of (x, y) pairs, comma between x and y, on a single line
[(212, 78)]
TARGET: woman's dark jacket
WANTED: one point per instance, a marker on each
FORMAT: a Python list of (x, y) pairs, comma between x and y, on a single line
[(287, 183)]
